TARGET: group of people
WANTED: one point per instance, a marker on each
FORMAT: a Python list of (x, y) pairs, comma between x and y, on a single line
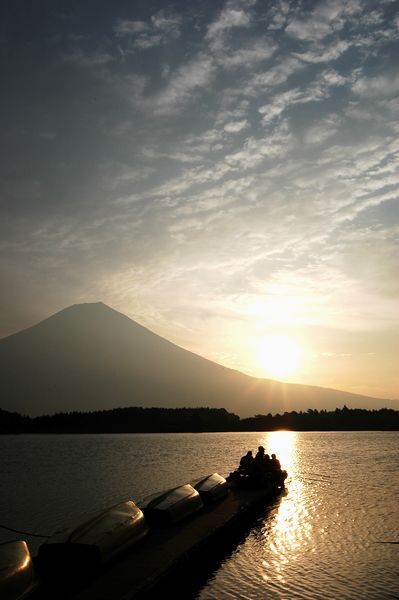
[(261, 468)]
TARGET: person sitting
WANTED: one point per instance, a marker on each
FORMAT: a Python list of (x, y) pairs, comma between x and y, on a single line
[(277, 474), (246, 463), (260, 455), (275, 463), (259, 472), (261, 468)]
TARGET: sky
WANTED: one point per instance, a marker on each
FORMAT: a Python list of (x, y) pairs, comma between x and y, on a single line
[(224, 173)]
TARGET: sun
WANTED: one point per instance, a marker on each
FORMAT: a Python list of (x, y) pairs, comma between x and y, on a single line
[(279, 355)]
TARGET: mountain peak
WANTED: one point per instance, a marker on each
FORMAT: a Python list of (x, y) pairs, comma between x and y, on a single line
[(87, 310), (86, 307), (92, 357)]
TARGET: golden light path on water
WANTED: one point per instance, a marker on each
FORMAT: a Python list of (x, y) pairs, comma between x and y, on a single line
[(289, 534), (323, 538), (332, 534)]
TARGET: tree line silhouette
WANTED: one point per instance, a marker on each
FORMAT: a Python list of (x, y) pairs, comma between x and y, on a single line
[(173, 420), (340, 419), (122, 420)]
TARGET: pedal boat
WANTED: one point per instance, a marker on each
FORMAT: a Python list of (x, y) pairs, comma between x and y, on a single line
[(172, 506), (18, 578), (85, 547), (212, 488)]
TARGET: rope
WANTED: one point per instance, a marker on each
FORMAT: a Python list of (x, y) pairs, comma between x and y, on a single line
[(386, 542), (23, 532)]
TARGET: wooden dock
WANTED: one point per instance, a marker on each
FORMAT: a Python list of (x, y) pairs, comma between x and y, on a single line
[(172, 552)]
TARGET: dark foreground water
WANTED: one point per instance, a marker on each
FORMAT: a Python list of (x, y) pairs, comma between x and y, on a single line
[(327, 538)]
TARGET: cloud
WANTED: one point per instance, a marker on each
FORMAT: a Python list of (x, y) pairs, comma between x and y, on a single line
[(168, 23), (276, 75), (236, 126), (256, 151), (368, 258), (327, 18), (233, 15), (236, 163), (191, 76), (125, 27), (247, 56), (277, 15), (390, 108), (228, 18), (322, 86), (116, 176), (278, 105), (318, 90), (320, 53), (358, 112), (231, 108), (86, 59), (142, 35), (385, 85)]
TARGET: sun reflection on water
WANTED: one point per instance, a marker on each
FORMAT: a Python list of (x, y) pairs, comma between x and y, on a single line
[(283, 444), (289, 533)]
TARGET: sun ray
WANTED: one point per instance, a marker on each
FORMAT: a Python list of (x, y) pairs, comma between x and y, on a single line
[(279, 355)]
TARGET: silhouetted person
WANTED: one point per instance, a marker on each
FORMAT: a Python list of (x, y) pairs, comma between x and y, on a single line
[(260, 455), (246, 462), (259, 470), (275, 463)]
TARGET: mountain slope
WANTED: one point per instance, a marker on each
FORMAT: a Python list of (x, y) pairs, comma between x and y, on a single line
[(91, 357)]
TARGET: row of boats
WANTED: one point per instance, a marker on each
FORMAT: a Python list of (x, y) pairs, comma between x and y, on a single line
[(81, 550)]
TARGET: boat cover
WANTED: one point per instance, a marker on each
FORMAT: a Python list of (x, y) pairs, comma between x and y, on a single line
[(17, 574)]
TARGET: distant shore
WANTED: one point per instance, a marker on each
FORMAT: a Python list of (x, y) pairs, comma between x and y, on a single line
[(196, 420)]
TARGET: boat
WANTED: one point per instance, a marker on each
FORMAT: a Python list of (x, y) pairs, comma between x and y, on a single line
[(173, 505), (274, 481), (83, 548), (170, 553), (18, 578), (212, 488), (175, 555)]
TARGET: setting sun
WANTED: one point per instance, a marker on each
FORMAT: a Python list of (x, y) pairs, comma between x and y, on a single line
[(279, 355)]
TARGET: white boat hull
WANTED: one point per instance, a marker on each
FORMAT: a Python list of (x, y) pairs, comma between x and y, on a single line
[(212, 488), (95, 541), (172, 506), (17, 574)]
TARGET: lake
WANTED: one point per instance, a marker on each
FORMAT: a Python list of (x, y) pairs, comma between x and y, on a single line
[(328, 537)]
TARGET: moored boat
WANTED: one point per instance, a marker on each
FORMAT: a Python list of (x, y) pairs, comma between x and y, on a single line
[(85, 547), (18, 578), (173, 505), (212, 488), (177, 554), (272, 482)]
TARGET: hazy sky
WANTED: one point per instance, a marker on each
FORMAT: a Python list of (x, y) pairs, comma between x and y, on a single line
[(225, 173)]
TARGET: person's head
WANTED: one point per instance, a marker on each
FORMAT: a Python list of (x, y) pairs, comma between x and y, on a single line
[(267, 457), (273, 456), (249, 453), (261, 449)]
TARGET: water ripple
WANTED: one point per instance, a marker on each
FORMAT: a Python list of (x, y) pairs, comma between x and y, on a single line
[(319, 541)]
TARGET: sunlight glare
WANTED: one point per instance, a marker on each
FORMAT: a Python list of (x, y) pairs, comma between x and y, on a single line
[(290, 533), (282, 443), (279, 355)]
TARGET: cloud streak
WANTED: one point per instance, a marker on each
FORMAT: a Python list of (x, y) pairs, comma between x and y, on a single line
[(229, 168)]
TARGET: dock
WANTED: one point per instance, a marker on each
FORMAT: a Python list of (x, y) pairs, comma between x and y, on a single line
[(174, 551)]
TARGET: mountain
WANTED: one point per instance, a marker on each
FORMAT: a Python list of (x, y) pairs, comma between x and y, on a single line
[(91, 357)]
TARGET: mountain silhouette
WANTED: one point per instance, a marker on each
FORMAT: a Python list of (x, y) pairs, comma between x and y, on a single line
[(91, 357)]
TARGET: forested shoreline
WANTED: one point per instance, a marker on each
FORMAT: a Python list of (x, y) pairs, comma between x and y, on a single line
[(174, 420)]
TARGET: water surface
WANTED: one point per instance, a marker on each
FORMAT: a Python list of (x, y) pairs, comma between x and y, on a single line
[(321, 540)]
